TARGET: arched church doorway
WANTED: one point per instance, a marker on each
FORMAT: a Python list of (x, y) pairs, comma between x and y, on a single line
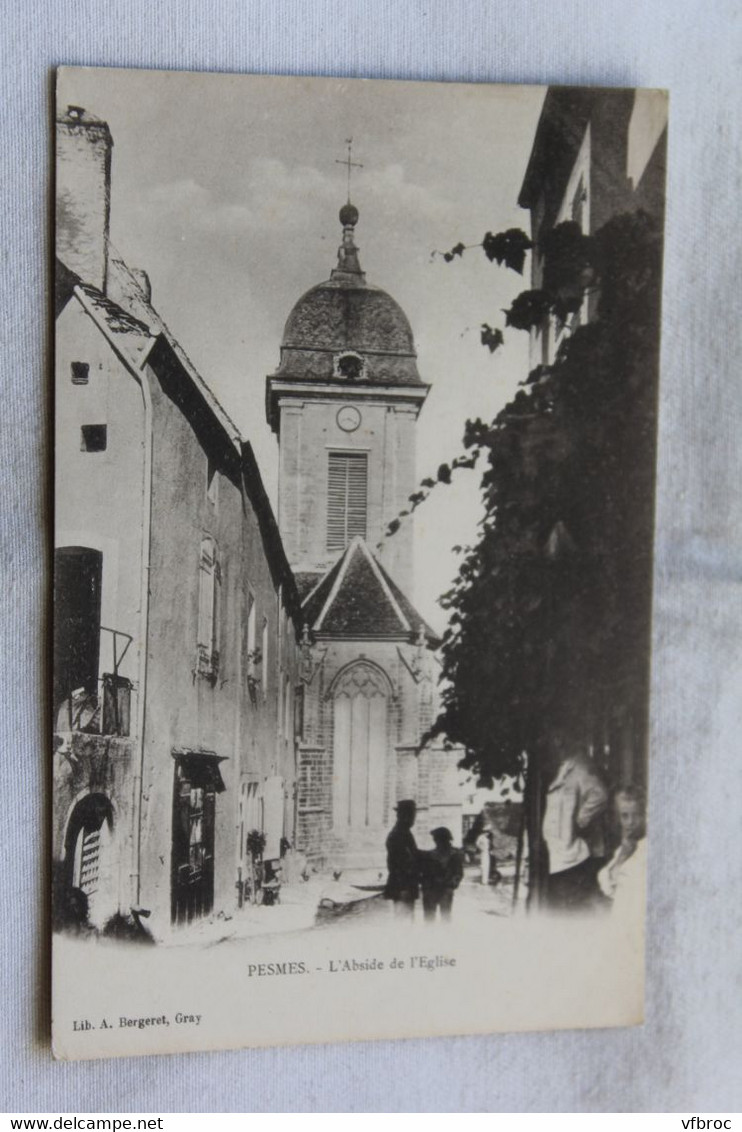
[(88, 860), (360, 725)]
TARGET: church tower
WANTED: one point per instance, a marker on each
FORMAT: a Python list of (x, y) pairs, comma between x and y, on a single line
[(344, 403)]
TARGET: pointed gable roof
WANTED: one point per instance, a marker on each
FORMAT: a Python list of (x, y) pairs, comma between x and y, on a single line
[(358, 599)]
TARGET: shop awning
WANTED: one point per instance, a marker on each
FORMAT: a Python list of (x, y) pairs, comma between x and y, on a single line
[(201, 767)]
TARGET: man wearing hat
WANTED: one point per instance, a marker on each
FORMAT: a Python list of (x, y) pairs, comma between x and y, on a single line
[(403, 882), (442, 871)]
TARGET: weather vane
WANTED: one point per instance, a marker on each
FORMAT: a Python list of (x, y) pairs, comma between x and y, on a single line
[(350, 165)]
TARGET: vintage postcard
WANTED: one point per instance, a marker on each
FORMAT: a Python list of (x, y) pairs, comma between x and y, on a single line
[(355, 394)]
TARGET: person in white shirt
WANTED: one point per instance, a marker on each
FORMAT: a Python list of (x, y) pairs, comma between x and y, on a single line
[(575, 797), (484, 845), (623, 880)]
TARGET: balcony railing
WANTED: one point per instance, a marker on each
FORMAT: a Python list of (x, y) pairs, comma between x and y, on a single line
[(105, 710)]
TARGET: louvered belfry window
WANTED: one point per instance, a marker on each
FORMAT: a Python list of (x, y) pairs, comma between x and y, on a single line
[(346, 498)]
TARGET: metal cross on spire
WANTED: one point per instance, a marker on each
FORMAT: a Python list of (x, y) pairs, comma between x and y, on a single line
[(350, 164)]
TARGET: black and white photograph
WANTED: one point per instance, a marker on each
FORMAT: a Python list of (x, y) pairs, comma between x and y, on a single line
[(355, 396)]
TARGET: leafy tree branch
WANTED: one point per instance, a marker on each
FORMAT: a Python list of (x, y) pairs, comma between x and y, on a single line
[(549, 610)]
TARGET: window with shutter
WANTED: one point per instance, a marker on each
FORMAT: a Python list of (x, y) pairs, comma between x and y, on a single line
[(346, 498), (88, 867), (207, 645)]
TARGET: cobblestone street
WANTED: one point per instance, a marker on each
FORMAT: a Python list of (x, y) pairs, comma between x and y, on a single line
[(323, 904)]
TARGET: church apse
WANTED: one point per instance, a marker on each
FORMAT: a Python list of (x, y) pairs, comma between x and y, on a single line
[(370, 694), (344, 403), (359, 698)]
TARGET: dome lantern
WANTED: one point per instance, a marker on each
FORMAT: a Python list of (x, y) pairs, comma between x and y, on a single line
[(348, 263), (346, 329), (344, 403)]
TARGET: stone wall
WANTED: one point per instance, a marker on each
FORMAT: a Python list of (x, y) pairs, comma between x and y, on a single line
[(309, 431), (314, 802), (94, 766), (197, 493), (429, 777)]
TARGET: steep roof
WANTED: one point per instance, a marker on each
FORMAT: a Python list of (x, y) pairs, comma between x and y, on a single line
[(358, 599), (65, 282), (129, 336), (565, 114), (130, 295), (306, 581), (279, 563)]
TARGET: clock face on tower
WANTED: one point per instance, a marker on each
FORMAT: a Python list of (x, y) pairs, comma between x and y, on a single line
[(348, 418)]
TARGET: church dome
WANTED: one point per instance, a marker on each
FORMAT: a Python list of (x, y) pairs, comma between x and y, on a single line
[(345, 328), (338, 316)]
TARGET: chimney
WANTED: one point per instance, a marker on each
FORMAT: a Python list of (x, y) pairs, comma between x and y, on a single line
[(83, 178)]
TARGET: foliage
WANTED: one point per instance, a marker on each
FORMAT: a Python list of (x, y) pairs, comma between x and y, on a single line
[(458, 250), (491, 338), (550, 609), (528, 310), (508, 248)]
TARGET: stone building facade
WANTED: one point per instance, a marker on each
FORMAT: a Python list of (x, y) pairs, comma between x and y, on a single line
[(219, 673), (596, 154), (344, 403), (599, 155)]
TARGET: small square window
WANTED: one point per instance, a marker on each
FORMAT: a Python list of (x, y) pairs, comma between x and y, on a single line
[(80, 373), (94, 438)]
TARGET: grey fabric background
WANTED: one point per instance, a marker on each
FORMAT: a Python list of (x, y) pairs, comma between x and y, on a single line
[(686, 1056)]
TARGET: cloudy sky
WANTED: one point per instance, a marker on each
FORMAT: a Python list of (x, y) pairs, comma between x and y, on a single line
[(226, 191)]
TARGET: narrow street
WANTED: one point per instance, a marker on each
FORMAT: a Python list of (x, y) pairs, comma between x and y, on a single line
[(323, 904)]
